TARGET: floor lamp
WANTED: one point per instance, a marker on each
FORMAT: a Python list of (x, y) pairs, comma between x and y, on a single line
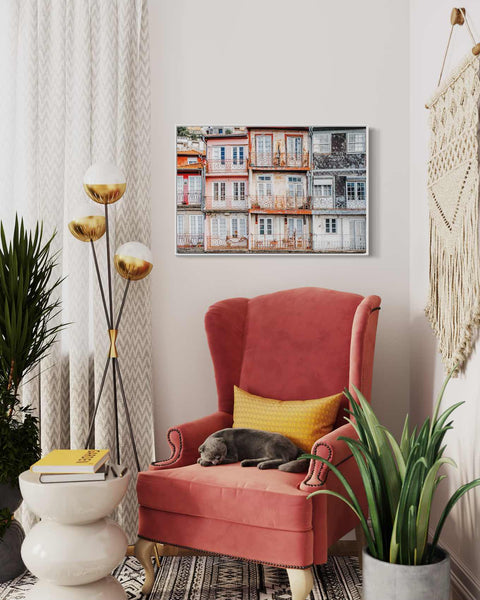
[(105, 184)]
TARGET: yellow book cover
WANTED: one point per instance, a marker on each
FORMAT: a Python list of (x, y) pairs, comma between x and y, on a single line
[(71, 461)]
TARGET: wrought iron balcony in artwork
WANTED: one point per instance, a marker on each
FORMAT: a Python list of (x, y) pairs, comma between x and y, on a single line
[(356, 203), (280, 160), (227, 165), (189, 198), (220, 202), (215, 243), (282, 202), (338, 242), (280, 243), (189, 240), (328, 202)]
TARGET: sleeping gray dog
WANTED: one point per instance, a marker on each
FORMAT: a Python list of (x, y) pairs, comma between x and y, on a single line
[(253, 448)]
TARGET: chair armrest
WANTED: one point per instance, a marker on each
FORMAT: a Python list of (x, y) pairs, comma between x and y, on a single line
[(185, 439), (332, 449)]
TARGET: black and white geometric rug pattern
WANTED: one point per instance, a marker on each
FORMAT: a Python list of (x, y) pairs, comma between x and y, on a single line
[(219, 578)]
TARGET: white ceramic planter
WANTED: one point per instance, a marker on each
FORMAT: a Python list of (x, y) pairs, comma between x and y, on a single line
[(382, 580), (75, 547)]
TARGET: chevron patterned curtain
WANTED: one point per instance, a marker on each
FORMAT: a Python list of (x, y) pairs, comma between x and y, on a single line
[(76, 89)]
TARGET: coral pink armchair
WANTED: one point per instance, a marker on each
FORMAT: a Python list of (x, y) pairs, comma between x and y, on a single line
[(296, 344)]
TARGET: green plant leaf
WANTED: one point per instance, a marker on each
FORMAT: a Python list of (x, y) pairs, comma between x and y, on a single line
[(425, 504), (396, 451), (360, 515), (405, 439), (441, 394), (351, 494), (455, 497), (387, 462), (29, 324)]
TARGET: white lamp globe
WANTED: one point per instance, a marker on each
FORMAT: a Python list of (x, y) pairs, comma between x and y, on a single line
[(104, 173), (104, 182), (88, 223), (84, 208), (133, 260)]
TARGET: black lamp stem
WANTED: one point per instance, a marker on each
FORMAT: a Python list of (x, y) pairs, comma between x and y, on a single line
[(110, 299), (127, 414), (102, 292), (109, 273), (123, 303), (100, 390), (113, 358)]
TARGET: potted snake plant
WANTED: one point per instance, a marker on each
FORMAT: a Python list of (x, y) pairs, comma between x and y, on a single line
[(400, 481), (27, 331)]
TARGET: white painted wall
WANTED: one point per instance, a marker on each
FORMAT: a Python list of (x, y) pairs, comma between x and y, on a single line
[(278, 62), (430, 27)]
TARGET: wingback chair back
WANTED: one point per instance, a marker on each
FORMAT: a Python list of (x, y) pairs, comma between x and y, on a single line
[(292, 345)]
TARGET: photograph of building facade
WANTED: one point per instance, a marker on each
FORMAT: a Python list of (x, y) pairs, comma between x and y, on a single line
[(279, 206), (189, 197), (226, 192), (272, 190), (339, 189)]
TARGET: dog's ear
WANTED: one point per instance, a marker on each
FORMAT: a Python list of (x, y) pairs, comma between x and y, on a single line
[(201, 448)]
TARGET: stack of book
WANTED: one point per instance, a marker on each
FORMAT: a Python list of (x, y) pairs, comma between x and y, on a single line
[(73, 465)]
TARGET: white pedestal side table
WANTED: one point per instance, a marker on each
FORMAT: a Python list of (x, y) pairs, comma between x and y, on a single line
[(75, 547)]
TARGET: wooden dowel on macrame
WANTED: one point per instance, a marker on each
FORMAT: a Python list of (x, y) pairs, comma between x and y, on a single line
[(458, 16)]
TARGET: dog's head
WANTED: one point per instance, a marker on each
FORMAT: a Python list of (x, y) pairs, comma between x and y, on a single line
[(212, 452)]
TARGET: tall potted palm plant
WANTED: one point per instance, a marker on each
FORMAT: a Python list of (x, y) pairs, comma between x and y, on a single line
[(400, 480), (28, 308)]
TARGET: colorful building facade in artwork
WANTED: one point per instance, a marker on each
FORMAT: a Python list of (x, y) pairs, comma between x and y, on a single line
[(226, 192), (279, 204), (339, 189), (189, 196), (272, 190)]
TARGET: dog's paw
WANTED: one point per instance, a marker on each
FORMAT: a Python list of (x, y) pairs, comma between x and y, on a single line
[(204, 463)]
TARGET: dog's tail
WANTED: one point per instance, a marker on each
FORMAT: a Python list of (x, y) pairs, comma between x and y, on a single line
[(295, 466)]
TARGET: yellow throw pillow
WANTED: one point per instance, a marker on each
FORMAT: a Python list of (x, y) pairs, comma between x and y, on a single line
[(302, 421)]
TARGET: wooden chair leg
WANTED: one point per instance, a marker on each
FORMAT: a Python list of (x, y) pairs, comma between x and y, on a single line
[(157, 556), (144, 553), (360, 537), (301, 583)]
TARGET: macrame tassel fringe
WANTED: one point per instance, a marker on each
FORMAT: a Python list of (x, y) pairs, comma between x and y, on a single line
[(454, 307)]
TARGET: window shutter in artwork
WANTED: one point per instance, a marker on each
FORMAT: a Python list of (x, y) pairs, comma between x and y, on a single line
[(242, 230), (322, 142), (180, 225), (196, 224)]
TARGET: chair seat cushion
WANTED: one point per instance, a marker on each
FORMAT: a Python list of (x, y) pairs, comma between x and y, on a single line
[(246, 495)]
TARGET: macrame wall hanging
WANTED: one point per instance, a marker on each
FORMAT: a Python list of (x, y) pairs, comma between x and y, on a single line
[(453, 306)]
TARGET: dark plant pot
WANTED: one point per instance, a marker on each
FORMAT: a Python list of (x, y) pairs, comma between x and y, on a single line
[(10, 497), (401, 582), (11, 563)]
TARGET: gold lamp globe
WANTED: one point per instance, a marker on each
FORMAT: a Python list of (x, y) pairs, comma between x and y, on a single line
[(88, 225), (104, 182), (133, 260)]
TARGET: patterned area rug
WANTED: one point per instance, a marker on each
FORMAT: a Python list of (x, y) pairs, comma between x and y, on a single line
[(219, 578)]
